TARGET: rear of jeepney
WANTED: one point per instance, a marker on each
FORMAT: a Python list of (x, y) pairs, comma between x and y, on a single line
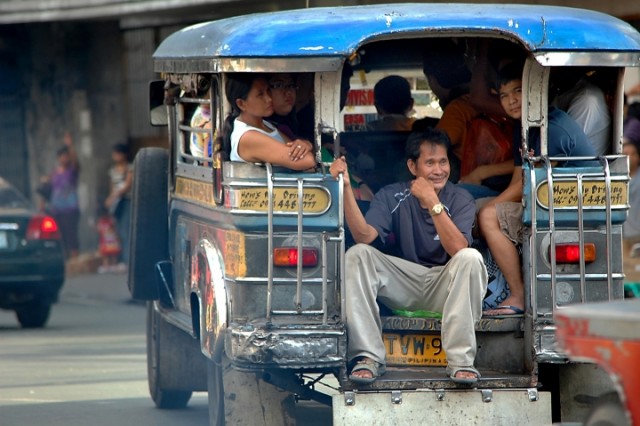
[(279, 236), (267, 252), (573, 216)]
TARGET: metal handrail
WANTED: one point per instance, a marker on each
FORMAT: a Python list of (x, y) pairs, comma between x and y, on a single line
[(609, 226), (272, 181)]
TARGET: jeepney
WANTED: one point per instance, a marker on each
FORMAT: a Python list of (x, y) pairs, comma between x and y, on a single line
[(243, 264)]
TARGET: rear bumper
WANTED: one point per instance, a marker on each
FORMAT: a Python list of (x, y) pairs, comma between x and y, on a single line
[(294, 349), (30, 280), (444, 407)]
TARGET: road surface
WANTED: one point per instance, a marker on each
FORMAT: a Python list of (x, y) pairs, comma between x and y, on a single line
[(88, 366)]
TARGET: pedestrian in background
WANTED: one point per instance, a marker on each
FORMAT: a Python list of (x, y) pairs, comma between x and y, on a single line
[(62, 202), (108, 241), (119, 200)]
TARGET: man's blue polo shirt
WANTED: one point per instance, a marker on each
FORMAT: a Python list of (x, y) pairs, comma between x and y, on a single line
[(399, 220)]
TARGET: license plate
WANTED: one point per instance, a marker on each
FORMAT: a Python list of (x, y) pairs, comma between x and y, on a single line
[(414, 349), (3, 240)]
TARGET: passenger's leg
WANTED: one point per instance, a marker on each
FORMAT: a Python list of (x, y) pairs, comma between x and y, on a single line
[(506, 256), (459, 286), (370, 274)]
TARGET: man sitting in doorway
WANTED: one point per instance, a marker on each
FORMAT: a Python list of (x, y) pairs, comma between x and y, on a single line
[(430, 220)]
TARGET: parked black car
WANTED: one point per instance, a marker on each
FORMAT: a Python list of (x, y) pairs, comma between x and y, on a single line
[(31, 259)]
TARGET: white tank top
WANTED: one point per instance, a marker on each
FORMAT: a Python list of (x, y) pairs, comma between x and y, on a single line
[(240, 128)]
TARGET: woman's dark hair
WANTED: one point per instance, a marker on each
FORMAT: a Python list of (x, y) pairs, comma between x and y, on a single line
[(121, 148), (428, 135), (63, 150), (237, 86)]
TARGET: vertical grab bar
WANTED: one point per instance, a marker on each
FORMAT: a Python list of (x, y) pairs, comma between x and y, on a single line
[(324, 278), (270, 241), (299, 265), (552, 228), (533, 254), (583, 287), (343, 308), (607, 186)]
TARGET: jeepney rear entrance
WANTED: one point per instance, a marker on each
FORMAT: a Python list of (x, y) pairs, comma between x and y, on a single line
[(251, 266)]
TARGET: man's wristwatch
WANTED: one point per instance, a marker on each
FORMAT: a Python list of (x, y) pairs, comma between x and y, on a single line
[(437, 209)]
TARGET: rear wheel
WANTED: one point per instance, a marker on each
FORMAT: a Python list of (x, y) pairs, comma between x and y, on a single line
[(158, 365), (34, 315), (149, 235)]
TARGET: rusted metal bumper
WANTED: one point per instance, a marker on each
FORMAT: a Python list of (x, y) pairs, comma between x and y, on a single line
[(291, 348), (607, 334), (443, 407)]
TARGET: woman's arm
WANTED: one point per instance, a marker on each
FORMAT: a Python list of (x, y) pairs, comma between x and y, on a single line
[(256, 147)]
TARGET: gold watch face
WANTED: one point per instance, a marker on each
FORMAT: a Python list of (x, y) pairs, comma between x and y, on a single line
[(437, 209)]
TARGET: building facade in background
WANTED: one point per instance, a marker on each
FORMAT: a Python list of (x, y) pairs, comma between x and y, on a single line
[(84, 66)]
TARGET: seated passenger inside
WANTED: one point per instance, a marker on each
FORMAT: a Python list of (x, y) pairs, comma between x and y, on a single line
[(283, 94), (500, 220), (248, 137), (585, 102), (393, 102), (200, 143)]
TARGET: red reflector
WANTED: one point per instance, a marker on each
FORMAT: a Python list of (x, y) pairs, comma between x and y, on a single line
[(288, 256), (570, 253), (42, 228)]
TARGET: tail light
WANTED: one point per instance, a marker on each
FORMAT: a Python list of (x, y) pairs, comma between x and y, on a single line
[(570, 253), (288, 256), (42, 228)]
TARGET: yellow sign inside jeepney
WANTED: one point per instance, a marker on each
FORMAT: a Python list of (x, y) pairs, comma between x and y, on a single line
[(235, 263), (201, 192), (314, 199), (594, 194)]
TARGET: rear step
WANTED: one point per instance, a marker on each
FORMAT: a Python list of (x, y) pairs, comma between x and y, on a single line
[(499, 340), (493, 324), (408, 378)]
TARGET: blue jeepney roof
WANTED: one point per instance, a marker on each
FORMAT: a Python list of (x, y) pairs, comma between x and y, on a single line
[(337, 32)]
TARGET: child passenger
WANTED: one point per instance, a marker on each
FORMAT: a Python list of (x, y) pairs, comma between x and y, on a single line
[(501, 219), (248, 137)]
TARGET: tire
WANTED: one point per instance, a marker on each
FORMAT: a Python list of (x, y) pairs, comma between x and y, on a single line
[(215, 388), (149, 234), (33, 315), (607, 411), (158, 366)]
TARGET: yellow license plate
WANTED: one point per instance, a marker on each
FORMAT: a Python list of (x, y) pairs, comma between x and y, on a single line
[(414, 349)]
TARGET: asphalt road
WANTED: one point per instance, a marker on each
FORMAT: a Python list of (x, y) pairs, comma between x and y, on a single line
[(88, 366)]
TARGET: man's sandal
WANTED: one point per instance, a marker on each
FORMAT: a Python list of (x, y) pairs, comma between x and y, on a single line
[(452, 371), (375, 368)]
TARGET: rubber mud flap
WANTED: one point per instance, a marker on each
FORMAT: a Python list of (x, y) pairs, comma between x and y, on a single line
[(149, 234)]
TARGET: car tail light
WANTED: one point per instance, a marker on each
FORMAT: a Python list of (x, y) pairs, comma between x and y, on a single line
[(570, 253), (43, 228), (288, 256)]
